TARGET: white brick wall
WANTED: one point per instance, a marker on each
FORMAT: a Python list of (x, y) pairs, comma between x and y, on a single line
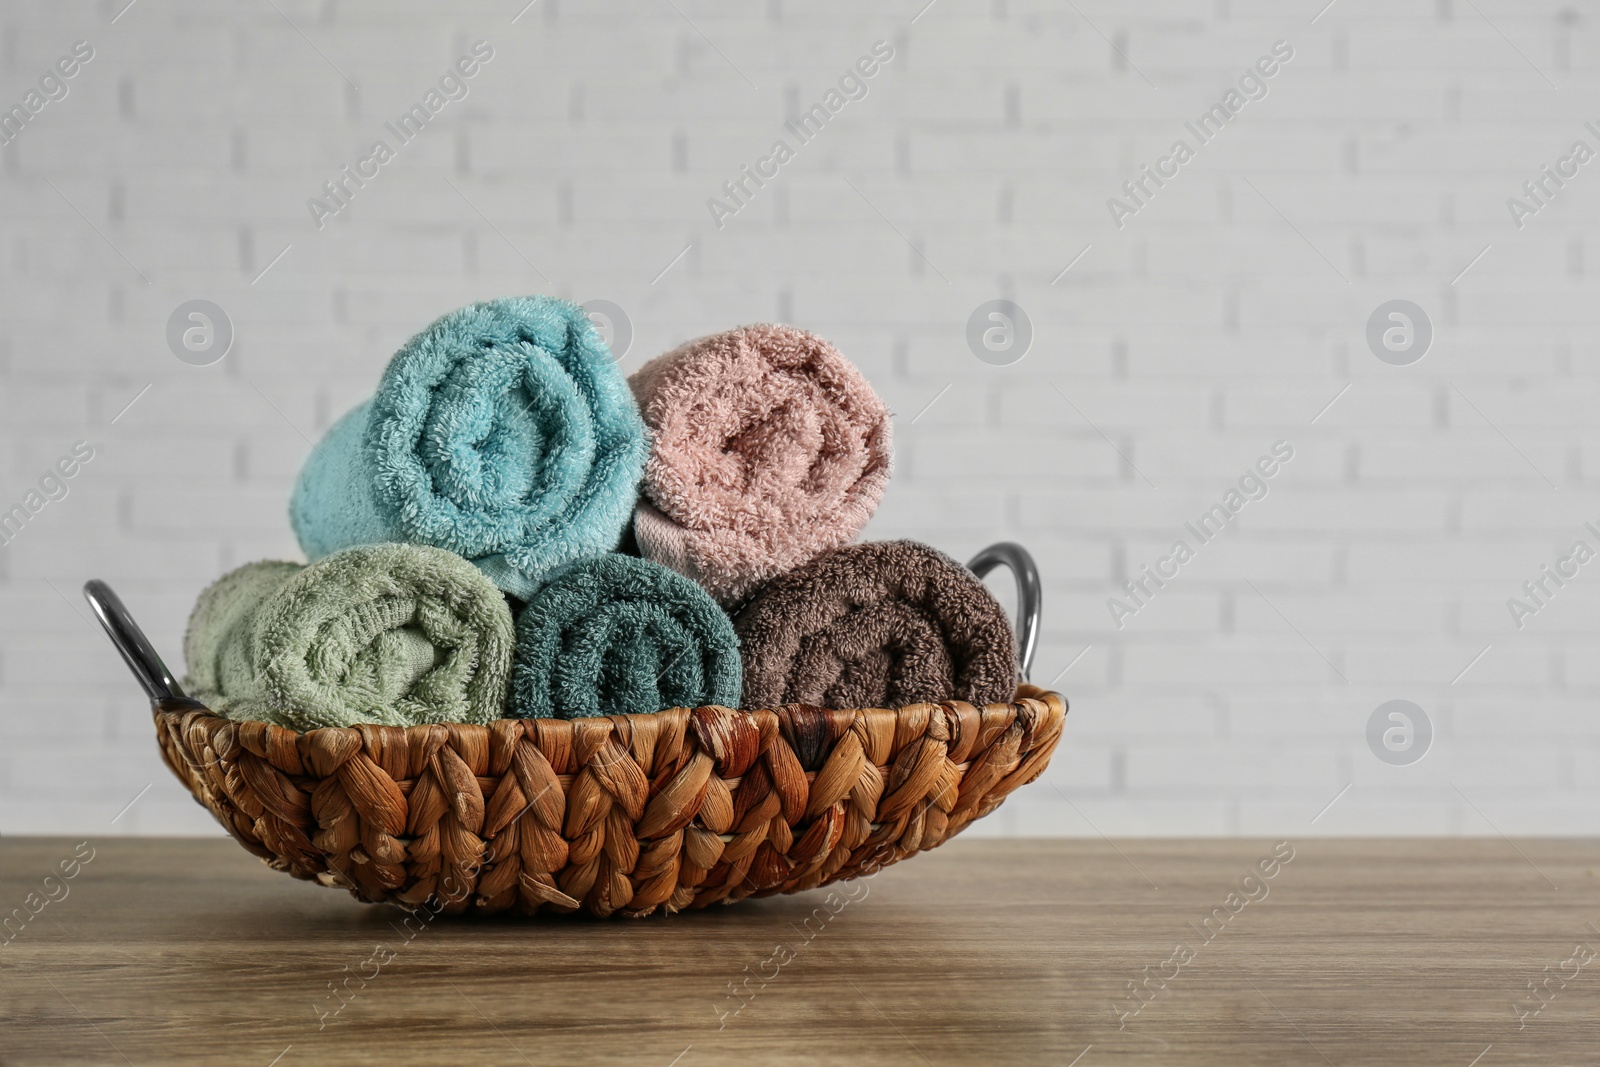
[(1207, 328)]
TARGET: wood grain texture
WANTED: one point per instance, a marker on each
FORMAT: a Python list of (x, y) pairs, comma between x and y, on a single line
[(985, 951)]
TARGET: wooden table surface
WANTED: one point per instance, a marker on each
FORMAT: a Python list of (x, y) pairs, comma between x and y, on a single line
[(985, 951)]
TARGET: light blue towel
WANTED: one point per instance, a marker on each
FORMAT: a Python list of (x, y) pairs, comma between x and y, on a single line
[(504, 432)]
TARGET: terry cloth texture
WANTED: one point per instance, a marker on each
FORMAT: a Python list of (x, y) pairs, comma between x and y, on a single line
[(617, 635), (877, 625), (503, 432), (769, 447), (399, 635)]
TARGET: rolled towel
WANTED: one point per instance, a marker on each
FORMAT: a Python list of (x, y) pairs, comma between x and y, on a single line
[(503, 432), (398, 635), (617, 635), (876, 625), (769, 447)]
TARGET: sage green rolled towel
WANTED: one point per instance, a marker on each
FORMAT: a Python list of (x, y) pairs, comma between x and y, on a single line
[(391, 634), (618, 635)]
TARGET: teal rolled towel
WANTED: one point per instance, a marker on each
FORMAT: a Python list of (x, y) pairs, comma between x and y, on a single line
[(504, 432), (392, 634), (617, 635)]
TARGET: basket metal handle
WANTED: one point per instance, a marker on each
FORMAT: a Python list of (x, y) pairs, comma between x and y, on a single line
[(1029, 600), (136, 649)]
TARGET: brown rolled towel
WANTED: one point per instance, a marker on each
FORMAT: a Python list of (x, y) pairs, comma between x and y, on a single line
[(876, 625)]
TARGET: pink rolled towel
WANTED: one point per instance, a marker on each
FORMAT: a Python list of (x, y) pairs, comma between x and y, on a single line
[(769, 448)]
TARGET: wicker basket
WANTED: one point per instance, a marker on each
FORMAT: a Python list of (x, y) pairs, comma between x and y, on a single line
[(628, 814)]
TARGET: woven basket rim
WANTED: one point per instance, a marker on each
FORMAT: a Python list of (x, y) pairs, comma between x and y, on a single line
[(623, 814), (1024, 691)]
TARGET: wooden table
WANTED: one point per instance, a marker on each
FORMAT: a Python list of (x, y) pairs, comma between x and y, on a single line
[(986, 951)]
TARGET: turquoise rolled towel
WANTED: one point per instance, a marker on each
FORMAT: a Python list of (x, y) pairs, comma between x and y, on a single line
[(618, 635), (504, 432), (397, 635)]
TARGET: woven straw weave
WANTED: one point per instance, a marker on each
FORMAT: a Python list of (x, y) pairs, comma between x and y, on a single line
[(623, 815)]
